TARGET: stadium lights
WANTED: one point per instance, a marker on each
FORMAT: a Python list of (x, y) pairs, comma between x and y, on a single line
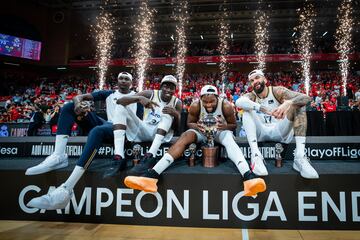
[(232, 35), (93, 67), (293, 34), (297, 61), (324, 33), (170, 65), (210, 63), (201, 36), (172, 37), (61, 68), (12, 64), (254, 62)]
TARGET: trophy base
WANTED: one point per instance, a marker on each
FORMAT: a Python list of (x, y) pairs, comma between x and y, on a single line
[(278, 162), (136, 162), (210, 157), (191, 162)]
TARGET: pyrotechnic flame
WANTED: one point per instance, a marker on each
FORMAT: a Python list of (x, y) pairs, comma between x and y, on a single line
[(144, 32), (261, 38), (343, 39), (104, 36), (304, 41), (183, 19), (224, 37)]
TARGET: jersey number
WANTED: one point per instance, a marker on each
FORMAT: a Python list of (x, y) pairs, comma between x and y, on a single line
[(267, 119)]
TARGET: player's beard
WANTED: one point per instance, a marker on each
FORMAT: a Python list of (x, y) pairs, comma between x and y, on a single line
[(262, 87)]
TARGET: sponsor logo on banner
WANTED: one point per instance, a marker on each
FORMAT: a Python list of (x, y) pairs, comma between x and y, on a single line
[(334, 152), (47, 149), (8, 150), (18, 132)]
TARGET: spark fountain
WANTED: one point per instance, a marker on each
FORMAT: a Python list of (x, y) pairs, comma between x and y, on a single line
[(304, 41), (144, 32), (104, 36), (183, 19), (261, 38), (343, 39), (224, 37)]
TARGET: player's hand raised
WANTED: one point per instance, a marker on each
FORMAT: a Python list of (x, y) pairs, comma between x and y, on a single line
[(169, 110), (148, 103), (281, 111)]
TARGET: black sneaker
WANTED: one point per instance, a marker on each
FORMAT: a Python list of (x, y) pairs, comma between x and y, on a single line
[(147, 162), (249, 175), (118, 164)]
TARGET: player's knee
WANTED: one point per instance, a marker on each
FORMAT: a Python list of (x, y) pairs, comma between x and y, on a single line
[(226, 136), (187, 138), (96, 133), (166, 122)]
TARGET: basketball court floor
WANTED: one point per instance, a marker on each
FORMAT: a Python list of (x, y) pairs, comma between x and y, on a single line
[(33, 230)]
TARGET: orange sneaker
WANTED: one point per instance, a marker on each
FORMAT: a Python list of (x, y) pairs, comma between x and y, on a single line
[(147, 182), (253, 184)]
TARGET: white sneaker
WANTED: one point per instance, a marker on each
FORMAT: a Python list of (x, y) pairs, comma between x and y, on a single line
[(52, 162), (303, 166), (257, 165), (57, 199)]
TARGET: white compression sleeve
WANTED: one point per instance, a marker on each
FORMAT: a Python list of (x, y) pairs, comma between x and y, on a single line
[(247, 104)]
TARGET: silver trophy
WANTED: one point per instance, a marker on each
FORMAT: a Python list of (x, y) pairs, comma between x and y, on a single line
[(278, 159), (192, 151), (209, 123), (136, 150)]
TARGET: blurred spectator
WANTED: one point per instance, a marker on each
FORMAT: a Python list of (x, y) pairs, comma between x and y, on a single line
[(36, 121)]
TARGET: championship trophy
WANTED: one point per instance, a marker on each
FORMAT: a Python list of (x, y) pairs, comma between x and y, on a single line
[(278, 159), (209, 151), (192, 151), (136, 150)]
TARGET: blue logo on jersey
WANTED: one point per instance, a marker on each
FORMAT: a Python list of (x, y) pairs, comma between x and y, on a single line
[(155, 114)]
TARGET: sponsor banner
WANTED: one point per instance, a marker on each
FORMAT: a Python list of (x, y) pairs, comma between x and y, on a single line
[(318, 151), (20, 130), (192, 200), (216, 59)]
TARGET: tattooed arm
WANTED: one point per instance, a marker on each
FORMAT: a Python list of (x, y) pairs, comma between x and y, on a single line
[(296, 99), (288, 99)]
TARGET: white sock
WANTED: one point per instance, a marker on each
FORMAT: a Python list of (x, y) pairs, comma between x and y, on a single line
[(163, 163), (300, 146), (60, 144), (156, 144), (250, 129), (74, 177), (234, 152), (119, 142)]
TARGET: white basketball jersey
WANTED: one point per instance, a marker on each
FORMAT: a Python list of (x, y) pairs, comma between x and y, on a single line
[(153, 118), (270, 103), (111, 104), (217, 113)]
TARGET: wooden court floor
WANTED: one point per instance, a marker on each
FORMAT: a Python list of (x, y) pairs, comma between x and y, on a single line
[(10, 230)]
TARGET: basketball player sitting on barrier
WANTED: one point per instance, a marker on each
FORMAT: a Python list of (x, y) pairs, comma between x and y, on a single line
[(275, 114), (161, 115), (209, 103), (100, 131)]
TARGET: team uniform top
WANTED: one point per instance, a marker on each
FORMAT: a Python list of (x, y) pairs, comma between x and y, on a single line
[(270, 103), (110, 98)]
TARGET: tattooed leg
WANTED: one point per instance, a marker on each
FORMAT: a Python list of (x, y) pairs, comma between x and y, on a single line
[(300, 122)]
